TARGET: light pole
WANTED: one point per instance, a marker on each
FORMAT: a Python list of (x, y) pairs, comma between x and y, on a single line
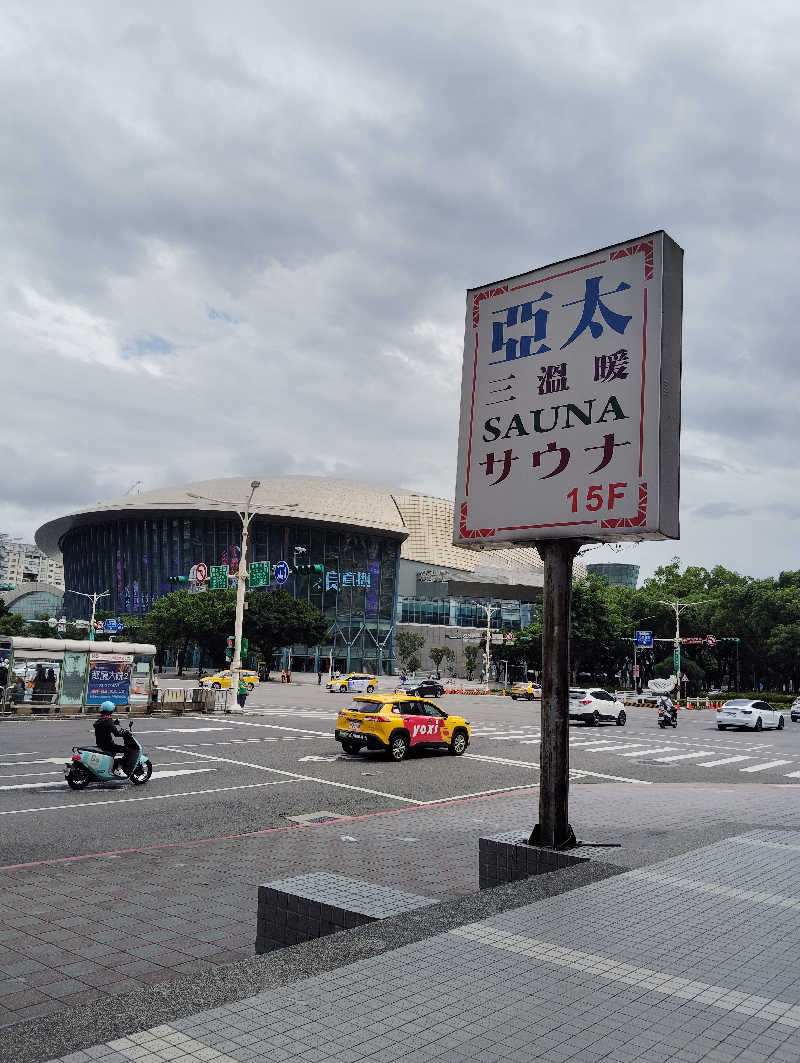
[(241, 582), (93, 598), (677, 607), (489, 610)]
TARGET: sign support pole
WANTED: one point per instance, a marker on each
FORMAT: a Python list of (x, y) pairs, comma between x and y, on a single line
[(553, 830)]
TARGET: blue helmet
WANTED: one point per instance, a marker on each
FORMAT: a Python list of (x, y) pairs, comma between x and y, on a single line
[(107, 706)]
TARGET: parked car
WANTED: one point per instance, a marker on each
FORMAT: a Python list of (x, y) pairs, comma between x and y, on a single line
[(750, 713), (529, 691), (396, 723), (422, 688), (794, 712), (594, 706)]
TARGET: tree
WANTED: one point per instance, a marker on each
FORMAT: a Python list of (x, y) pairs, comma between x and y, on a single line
[(471, 658), (438, 654), (180, 618), (409, 643), (12, 624), (274, 619)]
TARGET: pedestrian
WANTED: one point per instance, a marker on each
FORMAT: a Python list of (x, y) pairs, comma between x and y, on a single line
[(319, 677), (242, 692), (154, 692), (283, 675), (288, 675)]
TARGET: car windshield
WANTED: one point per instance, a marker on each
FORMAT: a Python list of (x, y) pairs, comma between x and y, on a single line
[(576, 695), (364, 706), (737, 703)]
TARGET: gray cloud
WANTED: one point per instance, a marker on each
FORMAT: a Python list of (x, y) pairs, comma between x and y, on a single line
[(240, 241)]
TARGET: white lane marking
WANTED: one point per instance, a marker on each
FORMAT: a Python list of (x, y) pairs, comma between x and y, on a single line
[(683, 756), (281, 727), (576, 773), (29, 753), (531, 742), (716, 763), (296, 775), (154, 797), (767, 766), (645, 752), (181, 730), (607, 749), (480, 793), (36, 774), (792, 775), (610, 969), (27, 763), (156, 775)]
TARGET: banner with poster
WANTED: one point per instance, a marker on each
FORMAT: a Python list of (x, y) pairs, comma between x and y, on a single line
[(109, 678), (73, 677)]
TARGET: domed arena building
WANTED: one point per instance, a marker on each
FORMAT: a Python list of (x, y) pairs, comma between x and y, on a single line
[(371, 559)]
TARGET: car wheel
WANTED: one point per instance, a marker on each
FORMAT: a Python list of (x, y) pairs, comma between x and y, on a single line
[(780, 723), (77, 779), (398, 747), (759, 725), (459, 744), (529, 697), (513, 697), (722, 727), (351, 747), (141, 773), (595, 718), (621, 719), (370, 688), (662, 726), (215, 686)]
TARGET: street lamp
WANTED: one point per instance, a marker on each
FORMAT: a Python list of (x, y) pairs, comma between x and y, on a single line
[(93, 598), (246, 516), (489, 610), (677, 607)]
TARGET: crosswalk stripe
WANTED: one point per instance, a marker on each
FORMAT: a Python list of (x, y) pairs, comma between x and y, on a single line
[(683, 756), (792, 775), (606, 749), (764, 767), (716, 763), (647, 752)]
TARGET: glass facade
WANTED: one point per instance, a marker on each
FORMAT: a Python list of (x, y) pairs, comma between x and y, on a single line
[(135, 558), (459, 612), (37, 605)]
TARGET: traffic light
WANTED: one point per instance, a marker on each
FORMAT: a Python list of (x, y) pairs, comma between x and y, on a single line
[(310, 570), (178, 579), (245, 647), (229, 648)]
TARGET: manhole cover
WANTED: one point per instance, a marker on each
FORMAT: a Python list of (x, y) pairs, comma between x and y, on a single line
[(315, 817)]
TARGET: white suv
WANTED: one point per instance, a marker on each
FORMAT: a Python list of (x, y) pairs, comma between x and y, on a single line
[(594, 706)]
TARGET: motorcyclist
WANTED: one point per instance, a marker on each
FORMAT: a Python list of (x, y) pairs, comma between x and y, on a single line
[(106, 728), (667, 705)]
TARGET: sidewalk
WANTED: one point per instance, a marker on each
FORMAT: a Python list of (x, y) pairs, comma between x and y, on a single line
[(694, 958)]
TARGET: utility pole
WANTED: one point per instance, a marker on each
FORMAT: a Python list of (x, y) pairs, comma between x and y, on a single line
[(93, 598), (241, 582), (489, 610), (678, 607)]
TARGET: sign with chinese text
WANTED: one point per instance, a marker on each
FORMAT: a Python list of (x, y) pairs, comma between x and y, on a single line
[(336, 581), (570, 400), (109, 678), (218, 577), (644, 638), (258, 574)]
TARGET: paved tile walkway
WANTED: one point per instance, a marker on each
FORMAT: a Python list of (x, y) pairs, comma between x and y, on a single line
[(632, 969), (193, 907)]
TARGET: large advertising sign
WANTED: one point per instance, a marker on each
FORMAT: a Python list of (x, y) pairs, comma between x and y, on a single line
[(570, 400), (109, 678)]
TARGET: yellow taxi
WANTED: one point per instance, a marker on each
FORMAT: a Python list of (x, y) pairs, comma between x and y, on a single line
[(396, 723), (359, 681), (529, 691), (222, 680)]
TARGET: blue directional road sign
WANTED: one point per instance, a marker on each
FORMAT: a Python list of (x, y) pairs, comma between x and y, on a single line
[(281, 572), (644, 638)]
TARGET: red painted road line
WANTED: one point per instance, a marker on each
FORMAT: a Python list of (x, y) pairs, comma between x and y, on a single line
[(257, 833)]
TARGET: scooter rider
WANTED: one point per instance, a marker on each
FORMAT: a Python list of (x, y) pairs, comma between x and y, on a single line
[(667, 705), (106, 728)]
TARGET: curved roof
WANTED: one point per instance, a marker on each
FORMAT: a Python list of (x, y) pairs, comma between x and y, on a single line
[(425, 523)]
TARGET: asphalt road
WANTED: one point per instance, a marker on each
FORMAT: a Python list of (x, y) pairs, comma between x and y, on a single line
[(216, 776)]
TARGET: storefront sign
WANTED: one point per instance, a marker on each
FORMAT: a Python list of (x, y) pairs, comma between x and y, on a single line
[(570, 411), (335, 581), (109, 678)]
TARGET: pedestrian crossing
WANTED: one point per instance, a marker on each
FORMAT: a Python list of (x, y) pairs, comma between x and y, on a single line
[(750, 760)]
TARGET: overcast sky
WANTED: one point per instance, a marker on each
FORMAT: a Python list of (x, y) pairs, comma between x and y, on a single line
[(236, 238)]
